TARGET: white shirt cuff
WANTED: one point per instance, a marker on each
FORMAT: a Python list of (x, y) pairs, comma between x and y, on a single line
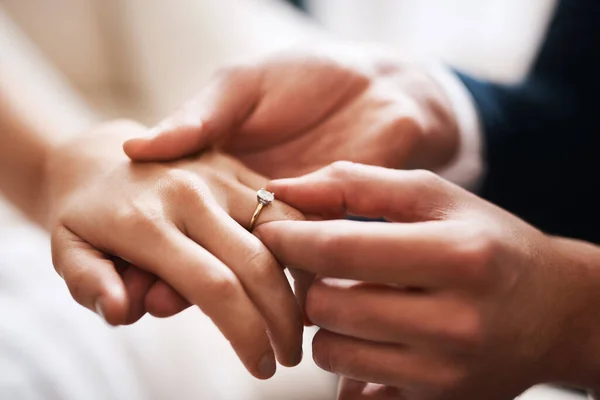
[(467, 168)]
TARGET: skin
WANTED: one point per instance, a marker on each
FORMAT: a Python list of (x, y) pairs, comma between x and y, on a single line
[(184, 222), (297, 111), (302, 109), (181, 226), (453, 299), (522, 303)]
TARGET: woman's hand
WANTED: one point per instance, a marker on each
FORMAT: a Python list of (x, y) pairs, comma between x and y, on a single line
[(453, 299), (177, 233), (300, 110)]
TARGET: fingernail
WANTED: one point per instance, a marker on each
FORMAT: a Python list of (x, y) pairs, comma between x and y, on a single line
[(267, 366), (99, 309), (298, 358)]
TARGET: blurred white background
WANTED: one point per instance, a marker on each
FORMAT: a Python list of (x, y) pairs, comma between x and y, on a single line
[(146, 56)]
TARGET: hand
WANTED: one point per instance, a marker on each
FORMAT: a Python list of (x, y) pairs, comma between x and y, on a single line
[(298, 111), (453, 299), (183, 223)]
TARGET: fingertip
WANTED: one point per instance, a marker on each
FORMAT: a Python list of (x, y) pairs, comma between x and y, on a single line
[(303, 193), (134, 148), (267, 366), (295, 359), (288, 352), (166, 144), (162, 301), (113, 304), (137, 284), (279, 187)]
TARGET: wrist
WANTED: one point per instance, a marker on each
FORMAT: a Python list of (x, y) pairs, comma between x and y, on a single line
[(70, 164), (467, 166), (439, 135), (42, 203), (576, 356)]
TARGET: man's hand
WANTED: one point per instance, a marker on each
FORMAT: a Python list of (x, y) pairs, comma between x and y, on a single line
[(298, 111), (130, 238), (453, 299)]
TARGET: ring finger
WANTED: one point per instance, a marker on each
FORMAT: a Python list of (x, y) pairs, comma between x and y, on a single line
[(260, 274)]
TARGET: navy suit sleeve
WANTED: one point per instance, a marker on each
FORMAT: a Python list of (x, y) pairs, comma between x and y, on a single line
[(543, 134)]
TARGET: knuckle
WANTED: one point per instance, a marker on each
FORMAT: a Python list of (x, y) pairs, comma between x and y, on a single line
[(184, 186), (466, 331), (260, 260), (426, 178), (140, 216), (223, 286), (177, 180), (403, 121), (476, 250), (341, 170), (431, 195)]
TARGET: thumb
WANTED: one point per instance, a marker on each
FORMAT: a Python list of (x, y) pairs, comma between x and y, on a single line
[(345, 188), (210, 118), (90, 276)]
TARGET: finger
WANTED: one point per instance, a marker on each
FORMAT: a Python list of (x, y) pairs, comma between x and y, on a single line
[(216, 112), (241, 197), (362, 311), (350, 389), (366, 361), (261, 275), (247, 176), (426, 255), (302, 282), (146, 293), (205, 281), (90, 276), (137, 283), (162, 301), (278, 211), (368, 191)]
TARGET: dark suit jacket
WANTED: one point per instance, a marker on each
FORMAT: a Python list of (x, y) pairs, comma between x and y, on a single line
[(543, 135)]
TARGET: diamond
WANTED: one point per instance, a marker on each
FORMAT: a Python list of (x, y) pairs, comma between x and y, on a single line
[(264, 197)]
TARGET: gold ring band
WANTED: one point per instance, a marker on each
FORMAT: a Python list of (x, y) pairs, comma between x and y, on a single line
[(259, 208), (264, 198)]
